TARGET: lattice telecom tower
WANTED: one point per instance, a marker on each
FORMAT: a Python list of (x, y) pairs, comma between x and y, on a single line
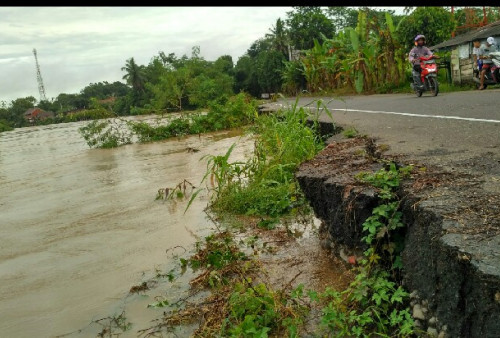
[(41, 88)]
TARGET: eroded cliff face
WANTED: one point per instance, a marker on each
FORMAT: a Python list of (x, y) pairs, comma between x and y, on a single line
[(451, 253)]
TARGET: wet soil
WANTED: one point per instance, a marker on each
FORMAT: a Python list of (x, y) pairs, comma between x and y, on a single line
[(286, 256)]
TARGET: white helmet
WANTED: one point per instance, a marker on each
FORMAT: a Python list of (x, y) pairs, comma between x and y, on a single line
[(490, 40)]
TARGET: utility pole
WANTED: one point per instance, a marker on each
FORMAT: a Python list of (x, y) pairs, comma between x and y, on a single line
[(41, 88)]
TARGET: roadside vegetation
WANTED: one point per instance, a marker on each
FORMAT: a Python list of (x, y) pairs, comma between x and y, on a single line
[(265, 185)]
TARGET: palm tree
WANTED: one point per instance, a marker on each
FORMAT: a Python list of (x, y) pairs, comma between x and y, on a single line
[(279, 37), (134, 75)]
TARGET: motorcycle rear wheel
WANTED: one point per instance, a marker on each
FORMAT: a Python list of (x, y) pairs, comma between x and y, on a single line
[(434, 86), (415, 89)]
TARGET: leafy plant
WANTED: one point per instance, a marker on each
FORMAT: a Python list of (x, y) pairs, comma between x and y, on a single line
[(105, 134), (258, 311), (350, 132), (373, 302)]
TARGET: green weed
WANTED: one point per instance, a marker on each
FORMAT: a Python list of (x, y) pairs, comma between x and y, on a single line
[(113, 325), (220, 258), (265, 185), (258, 311), (350, 132), (374, 302)]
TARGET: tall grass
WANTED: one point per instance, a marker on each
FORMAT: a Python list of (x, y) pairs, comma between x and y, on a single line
[(265, 185)]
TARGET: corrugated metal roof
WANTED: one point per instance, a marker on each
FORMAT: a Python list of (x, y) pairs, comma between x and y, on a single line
[(493, 29), (31, 110)]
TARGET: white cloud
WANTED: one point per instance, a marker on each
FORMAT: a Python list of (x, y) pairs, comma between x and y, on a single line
[(80, 45)]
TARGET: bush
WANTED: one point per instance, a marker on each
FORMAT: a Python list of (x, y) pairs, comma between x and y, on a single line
[(234, 112), (88, 114), (265, 184), (4, 126)]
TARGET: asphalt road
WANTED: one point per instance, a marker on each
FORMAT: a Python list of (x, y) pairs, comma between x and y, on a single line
[(459, 130)]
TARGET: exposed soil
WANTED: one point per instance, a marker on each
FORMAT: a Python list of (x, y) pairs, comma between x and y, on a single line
[(292, 253), (452, 240)]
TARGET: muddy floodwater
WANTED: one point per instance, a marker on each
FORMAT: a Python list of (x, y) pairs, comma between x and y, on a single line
[(80, 226)]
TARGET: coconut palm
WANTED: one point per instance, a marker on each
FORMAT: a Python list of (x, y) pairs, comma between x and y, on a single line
[(279, 37), (134, 75)]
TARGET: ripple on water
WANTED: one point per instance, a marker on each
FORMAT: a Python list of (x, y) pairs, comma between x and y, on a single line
[(80, 226)]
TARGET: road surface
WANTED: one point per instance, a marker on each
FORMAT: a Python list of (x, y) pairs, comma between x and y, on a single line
[(458, 130)]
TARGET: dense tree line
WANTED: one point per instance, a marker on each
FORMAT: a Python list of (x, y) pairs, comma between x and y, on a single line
[(312, 48), (12, 114)]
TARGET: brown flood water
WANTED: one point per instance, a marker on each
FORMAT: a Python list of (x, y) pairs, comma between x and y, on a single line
[(80, 226)]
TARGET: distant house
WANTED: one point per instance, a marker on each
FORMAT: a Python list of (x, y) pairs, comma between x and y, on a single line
[(37, 114), (461, 50), (294, 54)]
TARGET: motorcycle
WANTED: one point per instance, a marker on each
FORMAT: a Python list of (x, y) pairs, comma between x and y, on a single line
[(428, 76), (491, 77)]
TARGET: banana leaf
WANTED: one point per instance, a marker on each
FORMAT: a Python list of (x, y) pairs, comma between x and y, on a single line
[(359, 82), (390, 23), (354, 39)]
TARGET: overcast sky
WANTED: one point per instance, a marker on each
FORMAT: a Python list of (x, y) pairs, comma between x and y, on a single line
[(77, 46)]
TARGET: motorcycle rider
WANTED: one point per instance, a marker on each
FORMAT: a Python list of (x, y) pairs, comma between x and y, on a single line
[(484, 55), (414, 55)]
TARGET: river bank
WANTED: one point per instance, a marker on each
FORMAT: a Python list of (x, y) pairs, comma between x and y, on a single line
[(257, 275), (286, 257), (450, 256)]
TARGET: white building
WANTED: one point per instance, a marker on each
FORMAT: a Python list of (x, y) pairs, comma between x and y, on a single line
[(461, 50)]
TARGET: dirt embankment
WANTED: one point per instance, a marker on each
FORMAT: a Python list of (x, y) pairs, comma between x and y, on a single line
[(451, 256)]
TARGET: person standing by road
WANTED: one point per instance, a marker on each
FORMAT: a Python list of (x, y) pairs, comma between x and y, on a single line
[(484, 55), (477, 64)]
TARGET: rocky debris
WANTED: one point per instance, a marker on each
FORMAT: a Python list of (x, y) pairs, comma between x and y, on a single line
[(424, 318), (432, 332), (418, 312), (452, 241)]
